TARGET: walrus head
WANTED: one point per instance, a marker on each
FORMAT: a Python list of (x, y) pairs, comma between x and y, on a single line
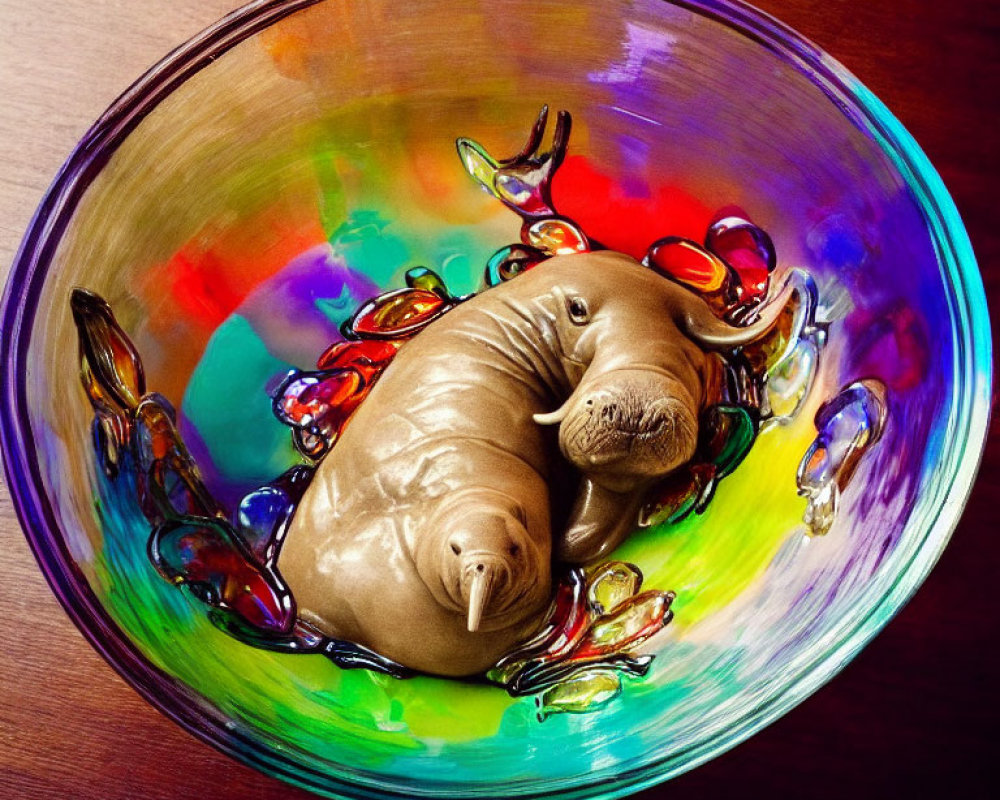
[(484, 564), (628, 425), (635, 343)]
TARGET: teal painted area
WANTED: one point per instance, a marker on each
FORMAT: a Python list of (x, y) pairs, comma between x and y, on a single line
[(227, 397), (460, 256), (369, 245), (383, 250)]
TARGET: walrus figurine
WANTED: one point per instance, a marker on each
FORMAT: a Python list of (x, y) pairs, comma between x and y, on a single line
[(429, 532)]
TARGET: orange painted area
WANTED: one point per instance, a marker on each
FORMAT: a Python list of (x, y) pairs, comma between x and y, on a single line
[(622, 222), (289, 50)]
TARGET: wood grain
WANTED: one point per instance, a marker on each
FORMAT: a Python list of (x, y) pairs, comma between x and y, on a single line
[(915, 712)]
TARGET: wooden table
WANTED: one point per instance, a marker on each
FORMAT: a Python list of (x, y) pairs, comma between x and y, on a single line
[(915, 712)]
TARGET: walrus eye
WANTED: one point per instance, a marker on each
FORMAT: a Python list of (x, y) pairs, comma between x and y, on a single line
[(578, 312)]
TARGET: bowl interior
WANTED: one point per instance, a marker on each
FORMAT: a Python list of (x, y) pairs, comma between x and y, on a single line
[(311, 163)]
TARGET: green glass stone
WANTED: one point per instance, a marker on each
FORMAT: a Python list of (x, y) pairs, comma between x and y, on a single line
[(587, 691), (428, 280), (611, 585), (729, 433)]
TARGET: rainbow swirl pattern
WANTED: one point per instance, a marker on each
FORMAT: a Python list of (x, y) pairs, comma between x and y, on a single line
[(297, 159)]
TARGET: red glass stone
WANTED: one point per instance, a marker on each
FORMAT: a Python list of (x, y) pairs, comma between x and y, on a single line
[(398, 314), (749, 251), (368, 356), (567, 622), (734, 233), (322, 403), (207, 556), (691, 265), (755, 278), (630, 624)]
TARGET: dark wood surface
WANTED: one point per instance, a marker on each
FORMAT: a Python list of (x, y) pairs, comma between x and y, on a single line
[(915, 714)]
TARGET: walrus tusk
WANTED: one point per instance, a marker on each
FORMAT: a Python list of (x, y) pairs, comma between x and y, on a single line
[(553, 417), (479, 594)]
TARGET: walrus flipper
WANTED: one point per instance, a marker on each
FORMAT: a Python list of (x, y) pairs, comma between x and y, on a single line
[(599, 522)]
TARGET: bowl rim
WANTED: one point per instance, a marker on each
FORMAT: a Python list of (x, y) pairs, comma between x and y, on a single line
[(39, 522)]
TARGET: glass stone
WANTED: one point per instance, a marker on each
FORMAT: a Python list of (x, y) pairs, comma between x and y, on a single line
[(674, 498), (113, 360), (168, 480), (796, 322), (427, 280), (509, 262), (631, 623), (789, 381), (208, 557), (555, 237), (523, 182), (728, 433), (612, 584), (397, 314), (263, 515), (749, 251), (587, 691), (368, 356), (564, 627), (317, 405), (847, 426), (688, 263)]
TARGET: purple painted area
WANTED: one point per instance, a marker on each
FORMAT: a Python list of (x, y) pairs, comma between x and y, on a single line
[(298, 312)]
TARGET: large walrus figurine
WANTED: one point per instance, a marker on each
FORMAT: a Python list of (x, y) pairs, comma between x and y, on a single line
[(429, 531)]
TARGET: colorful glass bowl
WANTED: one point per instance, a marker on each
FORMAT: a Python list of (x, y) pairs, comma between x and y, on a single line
[(255, 187)]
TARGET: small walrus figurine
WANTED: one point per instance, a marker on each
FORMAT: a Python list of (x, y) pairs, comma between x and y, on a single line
[(429, 532)]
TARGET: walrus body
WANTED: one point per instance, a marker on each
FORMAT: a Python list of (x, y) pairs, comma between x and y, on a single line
[(427, 532)]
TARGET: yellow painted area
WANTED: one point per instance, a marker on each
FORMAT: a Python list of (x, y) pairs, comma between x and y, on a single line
[(709, 560)]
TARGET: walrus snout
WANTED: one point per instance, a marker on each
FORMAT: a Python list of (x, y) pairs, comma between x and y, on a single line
[(484, 579), (479, 561), (487, 565), (629, 424)]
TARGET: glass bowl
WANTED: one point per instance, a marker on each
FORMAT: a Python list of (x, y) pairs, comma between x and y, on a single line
[(239, 201)]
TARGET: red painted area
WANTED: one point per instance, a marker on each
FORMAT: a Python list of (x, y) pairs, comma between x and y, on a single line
[(190, 295), (212, 274), (626, 221)]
